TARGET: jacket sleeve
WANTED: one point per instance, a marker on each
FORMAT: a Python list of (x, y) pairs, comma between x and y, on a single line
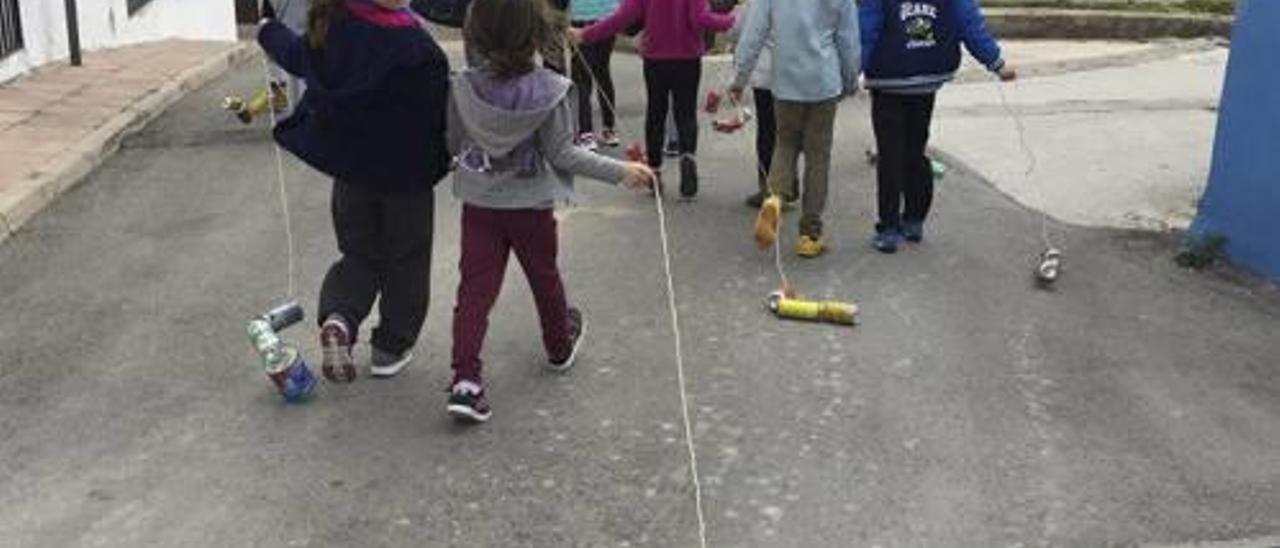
[(555, 142), (754, 34), (871, 24), (284, 47), (977, 39), (705, 19), (847, 40), (626, 15)]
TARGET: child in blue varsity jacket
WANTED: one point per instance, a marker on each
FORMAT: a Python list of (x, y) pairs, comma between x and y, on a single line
[(910, 48)]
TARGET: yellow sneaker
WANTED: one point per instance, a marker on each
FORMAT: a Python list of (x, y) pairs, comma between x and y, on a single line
[(810, 247)]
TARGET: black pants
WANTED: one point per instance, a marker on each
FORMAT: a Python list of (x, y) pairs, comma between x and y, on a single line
[(671, 84), (766, 132), (385, 240), (904, 175), (597, 57)]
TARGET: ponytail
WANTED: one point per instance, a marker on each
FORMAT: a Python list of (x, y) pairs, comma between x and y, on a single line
[(321, 17)]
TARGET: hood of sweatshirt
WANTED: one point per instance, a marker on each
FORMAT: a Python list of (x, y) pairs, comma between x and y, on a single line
[(500, 115)]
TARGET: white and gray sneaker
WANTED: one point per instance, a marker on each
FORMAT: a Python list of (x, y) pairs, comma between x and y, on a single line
[(577, 332), (386, 364)]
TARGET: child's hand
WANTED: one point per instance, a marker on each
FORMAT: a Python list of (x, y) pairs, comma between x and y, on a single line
[(576, 35), (1007, 73), (639, 176)]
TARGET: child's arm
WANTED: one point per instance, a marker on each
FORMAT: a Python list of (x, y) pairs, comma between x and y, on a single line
[(555, 142), (284, 47), (847, 38), (976, 38), (626, 15), (705, 19), (870, 21), (751, 42)]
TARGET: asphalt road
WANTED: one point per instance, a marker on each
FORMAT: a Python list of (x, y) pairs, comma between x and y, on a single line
[(1137, 403)]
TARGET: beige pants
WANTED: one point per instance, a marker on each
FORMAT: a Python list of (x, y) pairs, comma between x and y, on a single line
[(806, 128)]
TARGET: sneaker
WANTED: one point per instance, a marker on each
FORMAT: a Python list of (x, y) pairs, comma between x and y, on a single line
[(335, 344), (467, 403), (810, 247), (688, 177), (887, 241), (756, 200), (609, 138), (913, 232), (577, 331), (587, 141), (386, 364), (672, 149)]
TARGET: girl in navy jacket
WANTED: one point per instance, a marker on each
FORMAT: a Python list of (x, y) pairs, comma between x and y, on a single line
[(910, 48), (373, 118)]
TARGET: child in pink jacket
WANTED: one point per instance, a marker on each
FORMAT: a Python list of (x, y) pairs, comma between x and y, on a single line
[(672, 49)]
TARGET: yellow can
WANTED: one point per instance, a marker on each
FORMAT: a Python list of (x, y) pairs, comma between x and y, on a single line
[(835, 312)]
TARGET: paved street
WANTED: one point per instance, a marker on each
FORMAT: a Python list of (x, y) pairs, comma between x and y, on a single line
[(1136, 404)]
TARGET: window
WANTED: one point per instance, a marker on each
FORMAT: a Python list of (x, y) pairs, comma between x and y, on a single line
[(134, 5), (10, 28)]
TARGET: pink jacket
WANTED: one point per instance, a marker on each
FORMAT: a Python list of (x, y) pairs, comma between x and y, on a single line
[(672, 28)]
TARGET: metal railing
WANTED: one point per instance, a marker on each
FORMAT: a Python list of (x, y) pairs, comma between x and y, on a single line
[(10, 28)]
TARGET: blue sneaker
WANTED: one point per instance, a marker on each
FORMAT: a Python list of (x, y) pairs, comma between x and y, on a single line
[(913, 232), (887, 241)]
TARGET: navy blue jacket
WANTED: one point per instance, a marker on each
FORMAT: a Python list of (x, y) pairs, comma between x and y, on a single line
[(914, 45), (373, 114)]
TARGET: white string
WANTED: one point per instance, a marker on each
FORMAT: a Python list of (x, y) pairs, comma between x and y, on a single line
[(280, 175), (675, 319), (1032, 164)]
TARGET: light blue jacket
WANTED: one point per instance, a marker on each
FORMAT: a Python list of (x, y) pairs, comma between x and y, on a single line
[(817, 56), (591, 10)]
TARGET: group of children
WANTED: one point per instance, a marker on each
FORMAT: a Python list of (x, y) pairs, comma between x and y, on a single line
[(385, 118)]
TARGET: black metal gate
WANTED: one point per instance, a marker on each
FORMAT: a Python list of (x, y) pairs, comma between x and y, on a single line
[(10, 28)]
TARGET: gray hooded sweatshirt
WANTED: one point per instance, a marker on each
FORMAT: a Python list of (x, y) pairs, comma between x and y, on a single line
[(513, 141)]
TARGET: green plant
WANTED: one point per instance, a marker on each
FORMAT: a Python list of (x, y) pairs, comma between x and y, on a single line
[(1200, 252)]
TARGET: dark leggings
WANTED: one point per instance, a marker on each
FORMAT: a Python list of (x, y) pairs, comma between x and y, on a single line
[(766, 132), (597, 57), (671, 84), (903, 172)]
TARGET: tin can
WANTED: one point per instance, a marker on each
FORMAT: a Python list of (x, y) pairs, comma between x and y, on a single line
[(834, 312), (284, 316), (295, 381)]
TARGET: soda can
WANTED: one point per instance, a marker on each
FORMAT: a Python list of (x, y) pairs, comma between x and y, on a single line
[(284, 316), (296, 381)]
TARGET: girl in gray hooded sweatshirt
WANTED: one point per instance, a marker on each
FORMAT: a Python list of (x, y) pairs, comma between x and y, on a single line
[(511, 126)]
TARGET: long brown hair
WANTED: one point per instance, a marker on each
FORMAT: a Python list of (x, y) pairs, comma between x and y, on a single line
[(507, 34), (322, 15)]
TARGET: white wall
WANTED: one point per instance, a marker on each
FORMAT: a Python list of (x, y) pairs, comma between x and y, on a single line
[(107, 24)]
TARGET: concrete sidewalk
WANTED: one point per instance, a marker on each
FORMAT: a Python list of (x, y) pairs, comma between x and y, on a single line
[(60, 122)]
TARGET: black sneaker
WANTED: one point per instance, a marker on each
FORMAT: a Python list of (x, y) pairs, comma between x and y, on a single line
[(467, 403), (672, 149), (688, 177), (577, 331), (387, 364)]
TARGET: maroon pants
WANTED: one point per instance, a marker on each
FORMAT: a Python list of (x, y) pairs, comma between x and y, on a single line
[(488, 238)]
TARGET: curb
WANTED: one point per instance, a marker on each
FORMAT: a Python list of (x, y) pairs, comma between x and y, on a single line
[(61, 174), (1079, 24)]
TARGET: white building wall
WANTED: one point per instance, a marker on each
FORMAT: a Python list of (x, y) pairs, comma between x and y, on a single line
[(107, 24)]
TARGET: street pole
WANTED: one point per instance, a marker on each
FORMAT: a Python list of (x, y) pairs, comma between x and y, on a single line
[(73, 32)]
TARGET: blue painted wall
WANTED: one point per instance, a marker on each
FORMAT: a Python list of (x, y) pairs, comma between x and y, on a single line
[(1242, 201)]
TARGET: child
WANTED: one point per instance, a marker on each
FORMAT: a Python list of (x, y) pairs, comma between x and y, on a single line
[(373, 119), (591, 67), (511, 126), (815, 64), (672, 49), (909, 50), (766, 122)]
